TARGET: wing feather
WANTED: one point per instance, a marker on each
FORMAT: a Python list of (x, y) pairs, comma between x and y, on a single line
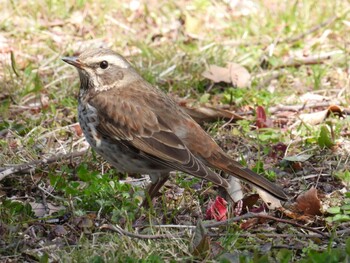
[(138, 126)]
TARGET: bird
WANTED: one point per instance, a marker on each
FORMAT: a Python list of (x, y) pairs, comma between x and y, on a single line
[(139, 129)]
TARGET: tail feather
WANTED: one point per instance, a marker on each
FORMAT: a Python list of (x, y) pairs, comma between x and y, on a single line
[(237, 170)]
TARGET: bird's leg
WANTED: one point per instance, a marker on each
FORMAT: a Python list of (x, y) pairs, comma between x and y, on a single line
[(157, 181)]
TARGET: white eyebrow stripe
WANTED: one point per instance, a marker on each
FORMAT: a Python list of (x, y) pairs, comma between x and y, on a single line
[(112, 59)]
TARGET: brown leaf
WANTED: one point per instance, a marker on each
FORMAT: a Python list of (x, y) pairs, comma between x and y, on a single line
[(59, 231), (271, 201), (240, 77), (78, 131), (261, 120), (309, 203), (249, 201), (217, 74), (40, 210), (44, 99), (232, 73), (315, 118), (249, 223)]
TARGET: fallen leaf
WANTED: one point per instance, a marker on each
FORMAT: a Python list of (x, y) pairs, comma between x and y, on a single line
[(312, 97), (40, 210), (235, 190), (270, 201), (298, 158), (249, 223), (278, 150), (315, 118), (44, 99), (59, 231), (232, 73), (217, 210), (78, 131), (250, 201), (309, 203), (240, 77), (261, 120)]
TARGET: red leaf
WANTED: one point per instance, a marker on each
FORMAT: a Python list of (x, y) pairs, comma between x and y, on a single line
[(278, 150), (78, 131), (261, 119), (217, 210)]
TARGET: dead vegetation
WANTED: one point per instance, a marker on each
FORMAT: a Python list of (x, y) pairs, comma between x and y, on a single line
[(268, 79)]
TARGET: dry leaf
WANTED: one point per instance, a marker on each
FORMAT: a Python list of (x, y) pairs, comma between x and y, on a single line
[(312, 97), (270, 201), (249, 201), (44, 99), (78, 131), (314, 118), (59, 230), (309, 203), (40, 210), (318, 117), (249, 223), (233, 73), (261, 120), (235, 190), (240, 77)]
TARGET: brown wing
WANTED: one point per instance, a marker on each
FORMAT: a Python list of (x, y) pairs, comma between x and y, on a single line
[(125, 117)]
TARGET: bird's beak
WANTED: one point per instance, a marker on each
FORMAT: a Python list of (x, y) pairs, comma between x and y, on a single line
[(74, 61)]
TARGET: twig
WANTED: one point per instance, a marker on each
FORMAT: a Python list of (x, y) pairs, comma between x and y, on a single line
[(266, 81), (297, 108), (275, 235), (216, 224), (120, 24), (310, 60), (309, 177), (6, 171), (288, 39), (123, 232), (310, 31), (254, 215)]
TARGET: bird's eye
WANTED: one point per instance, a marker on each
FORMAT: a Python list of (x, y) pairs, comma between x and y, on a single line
[(104, 64)]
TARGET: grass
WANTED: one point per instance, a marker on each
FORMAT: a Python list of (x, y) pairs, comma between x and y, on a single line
[(170, 43)]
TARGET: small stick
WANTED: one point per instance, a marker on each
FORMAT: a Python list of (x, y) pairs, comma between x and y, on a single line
[(123, 232), (297, 108), (216, 224), (6, 171), (310, 60), (254, 215), (311, 30)]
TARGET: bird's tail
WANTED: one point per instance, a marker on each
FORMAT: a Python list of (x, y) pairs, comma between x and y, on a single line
[(237, 170)]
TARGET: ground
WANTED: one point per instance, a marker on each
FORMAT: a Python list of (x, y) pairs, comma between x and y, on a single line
[(269, 80)]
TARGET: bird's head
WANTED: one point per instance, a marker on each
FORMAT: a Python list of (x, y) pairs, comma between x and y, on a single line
[(102, 69)]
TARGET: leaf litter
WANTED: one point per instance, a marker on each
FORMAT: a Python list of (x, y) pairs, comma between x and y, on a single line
[(314, 151)]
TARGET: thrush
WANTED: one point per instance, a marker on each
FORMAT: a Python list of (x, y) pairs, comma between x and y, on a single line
[(138, 128)]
